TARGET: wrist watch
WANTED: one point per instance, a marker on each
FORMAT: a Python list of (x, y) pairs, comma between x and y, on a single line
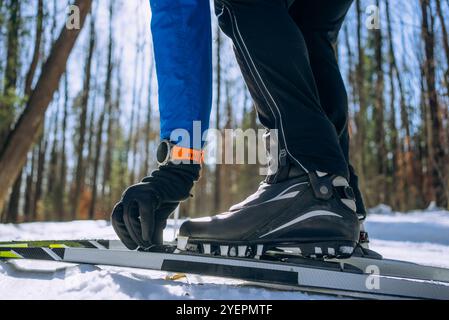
[(168, 152)]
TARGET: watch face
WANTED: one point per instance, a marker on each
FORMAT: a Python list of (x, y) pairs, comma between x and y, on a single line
[(163, 152)]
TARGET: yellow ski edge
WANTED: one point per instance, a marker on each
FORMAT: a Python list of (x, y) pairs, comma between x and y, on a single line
[(10, 255), (14, 245)]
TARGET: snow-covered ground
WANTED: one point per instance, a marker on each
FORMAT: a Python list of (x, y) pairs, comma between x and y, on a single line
[(421, 236)]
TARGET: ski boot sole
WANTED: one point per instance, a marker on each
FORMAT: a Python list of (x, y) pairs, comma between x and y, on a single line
[(339, 249)]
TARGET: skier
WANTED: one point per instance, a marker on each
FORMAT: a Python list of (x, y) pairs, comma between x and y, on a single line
[(285, 50)]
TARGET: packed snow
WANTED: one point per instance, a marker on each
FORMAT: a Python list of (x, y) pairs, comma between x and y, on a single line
[(421, 237)]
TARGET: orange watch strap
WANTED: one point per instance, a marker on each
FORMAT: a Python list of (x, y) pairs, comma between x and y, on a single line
[(186, 154)]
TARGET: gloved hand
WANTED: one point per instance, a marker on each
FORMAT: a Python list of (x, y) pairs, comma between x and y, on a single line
[(141, 216)]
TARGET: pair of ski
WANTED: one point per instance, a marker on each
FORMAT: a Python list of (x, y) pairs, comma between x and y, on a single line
[(364, 275)]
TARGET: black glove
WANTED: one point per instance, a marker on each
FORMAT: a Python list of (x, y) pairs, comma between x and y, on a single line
[(141, 216)]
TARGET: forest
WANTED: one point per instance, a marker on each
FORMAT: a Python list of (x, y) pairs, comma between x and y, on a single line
[(79, 112)]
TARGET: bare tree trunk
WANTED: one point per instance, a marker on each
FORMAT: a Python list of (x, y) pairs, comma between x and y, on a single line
[(393, 167), (217, 185), (148, 124), (426, 150), (60, 192), (138, 131), (445, 39), (40, 176), (437, 152), (96, 165), (227, 171), (379, 116), (53, 161), (29, 190), (80, 168), (15, 194), (19, 142), (7, 113), (1, 8), (131, 138), (11, 72), (12, 213), (107, 166), (123, 156), (350, 64), (361, 94), (106, 109), (54, 21), (2, 22), (410, 166), (37, 47), (351, 80), (91, 132)]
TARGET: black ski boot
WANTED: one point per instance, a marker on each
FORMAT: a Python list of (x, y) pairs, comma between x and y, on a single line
[(313, 213), (140, 218)]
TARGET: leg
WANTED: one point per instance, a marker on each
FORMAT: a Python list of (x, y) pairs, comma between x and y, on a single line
[(320, 22), (274, 61), (305, 209), (182, 41)]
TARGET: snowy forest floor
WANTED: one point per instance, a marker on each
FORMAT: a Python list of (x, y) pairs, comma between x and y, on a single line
[(419, 236)]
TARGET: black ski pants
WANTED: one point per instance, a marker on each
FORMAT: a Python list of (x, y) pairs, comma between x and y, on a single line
[(287, 58)]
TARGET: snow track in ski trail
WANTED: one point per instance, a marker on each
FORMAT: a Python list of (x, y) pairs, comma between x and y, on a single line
[(421, 237)]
